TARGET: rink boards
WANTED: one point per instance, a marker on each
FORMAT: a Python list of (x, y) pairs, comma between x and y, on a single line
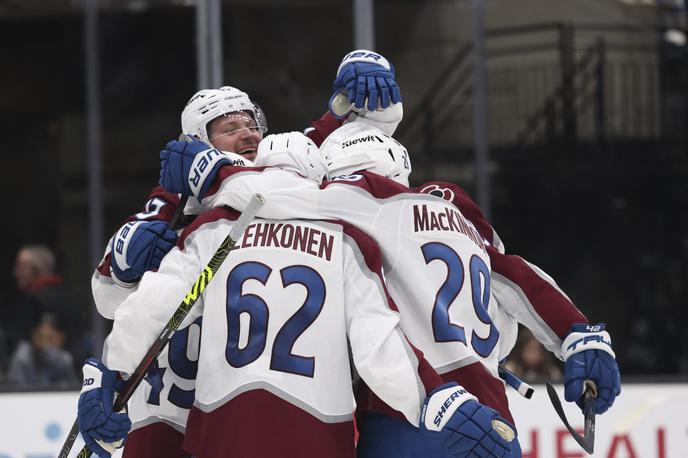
[(647, 421)]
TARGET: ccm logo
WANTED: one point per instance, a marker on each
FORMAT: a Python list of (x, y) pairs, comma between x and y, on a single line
[(89, 381)]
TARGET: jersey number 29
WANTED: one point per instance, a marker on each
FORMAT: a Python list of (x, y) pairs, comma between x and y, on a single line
[(443, 329)]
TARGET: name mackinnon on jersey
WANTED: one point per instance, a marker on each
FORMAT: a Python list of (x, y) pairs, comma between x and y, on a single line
[(449, 220)]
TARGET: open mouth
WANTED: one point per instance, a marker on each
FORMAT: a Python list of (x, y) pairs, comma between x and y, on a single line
[(249, 152)]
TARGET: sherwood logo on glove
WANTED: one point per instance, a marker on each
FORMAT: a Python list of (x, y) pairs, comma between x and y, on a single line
[(447, 404), (442, 405)]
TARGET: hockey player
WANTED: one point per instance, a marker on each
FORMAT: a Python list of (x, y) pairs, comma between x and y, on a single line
[(279, 317), (396, 219), (227, 119), (410, 278), (159, 409)]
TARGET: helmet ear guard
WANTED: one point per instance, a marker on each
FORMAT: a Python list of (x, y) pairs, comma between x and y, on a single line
[(356, 146)]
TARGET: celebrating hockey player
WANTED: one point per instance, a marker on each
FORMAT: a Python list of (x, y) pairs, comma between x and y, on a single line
[(435, 313), (524, 293), (279, 317), (227, 119), (158, 410)]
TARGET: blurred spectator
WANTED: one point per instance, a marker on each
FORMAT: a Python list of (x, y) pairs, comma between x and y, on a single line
[(43, 363), (43, 297), (531, 361)]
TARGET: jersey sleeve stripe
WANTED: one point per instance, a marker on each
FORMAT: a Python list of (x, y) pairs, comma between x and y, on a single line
[(543, 299), (208, 217)]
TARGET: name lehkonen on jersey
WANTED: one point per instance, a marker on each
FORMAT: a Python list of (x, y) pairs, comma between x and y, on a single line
[(284, 235), (447, 220)]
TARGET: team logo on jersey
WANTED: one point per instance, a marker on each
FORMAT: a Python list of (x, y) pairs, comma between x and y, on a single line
[(439, 191), (354, 177)]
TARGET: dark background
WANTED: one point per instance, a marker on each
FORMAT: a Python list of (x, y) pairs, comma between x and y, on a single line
[(587, 129)]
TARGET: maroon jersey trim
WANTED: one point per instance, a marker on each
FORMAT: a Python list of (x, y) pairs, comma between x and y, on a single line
[(156, 440), (258, 424)]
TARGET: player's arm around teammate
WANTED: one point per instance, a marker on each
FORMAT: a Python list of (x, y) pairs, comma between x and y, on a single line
[(294, 195), (235, 124), (380, 352)]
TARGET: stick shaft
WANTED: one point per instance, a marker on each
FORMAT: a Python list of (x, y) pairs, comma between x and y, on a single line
[(173, 324)]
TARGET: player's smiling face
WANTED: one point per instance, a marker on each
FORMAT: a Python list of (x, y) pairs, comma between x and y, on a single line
[(237, 133)]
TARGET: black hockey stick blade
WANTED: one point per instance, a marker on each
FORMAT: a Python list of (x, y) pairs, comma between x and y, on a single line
[(587, 441)]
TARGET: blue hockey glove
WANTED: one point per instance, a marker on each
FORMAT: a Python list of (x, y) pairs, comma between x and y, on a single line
[(103, 430), (466, 427), (363, 75), (189, 168), (139, 246), (588, 355)]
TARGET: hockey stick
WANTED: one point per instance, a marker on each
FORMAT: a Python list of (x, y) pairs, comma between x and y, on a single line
[(180, 313), (178, 213), (587, 441), (515, 382)]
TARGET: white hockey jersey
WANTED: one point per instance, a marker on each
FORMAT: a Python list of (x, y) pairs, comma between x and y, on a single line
[(278, 319), (443, 264), (167, 393)]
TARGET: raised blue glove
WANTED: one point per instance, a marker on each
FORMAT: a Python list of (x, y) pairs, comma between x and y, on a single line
[(466, 427), (103, 430), (189, 168), (588, 355), (363, 75), (139, 246)]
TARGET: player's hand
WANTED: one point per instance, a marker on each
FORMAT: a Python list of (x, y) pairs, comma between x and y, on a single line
[(292, 151), (103, 430), (190, 168), (467, 428), (588, 355), (365, 80), (138, 247)]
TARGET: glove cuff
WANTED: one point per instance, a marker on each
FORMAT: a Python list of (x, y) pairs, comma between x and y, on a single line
[(441, 406), (386, 120), (120, 244), (203, 169), (594, 337), (97, 375), (120, 282)]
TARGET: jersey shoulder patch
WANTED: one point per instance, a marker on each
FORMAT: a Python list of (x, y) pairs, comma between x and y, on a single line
[(378, 186), (447, 191), (460, 198)]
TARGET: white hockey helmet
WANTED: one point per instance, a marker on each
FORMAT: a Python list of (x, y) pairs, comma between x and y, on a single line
[(292, 151), (207, 104), (357, 146)]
